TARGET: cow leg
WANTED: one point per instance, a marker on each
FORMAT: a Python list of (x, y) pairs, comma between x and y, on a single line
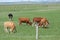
[(41, 24), (46, 24), (11, 30), (28, 23), (6, 30), (15, 30)]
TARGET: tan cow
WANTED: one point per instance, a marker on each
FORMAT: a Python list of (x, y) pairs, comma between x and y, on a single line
[(9, 25), (44, 22)]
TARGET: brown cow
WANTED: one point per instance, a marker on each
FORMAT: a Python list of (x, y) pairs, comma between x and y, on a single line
[(36, 20), (44, 22), (40, 21), (9, 25), (24, 20)]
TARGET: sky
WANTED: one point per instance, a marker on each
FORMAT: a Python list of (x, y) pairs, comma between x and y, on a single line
[(29, 0)]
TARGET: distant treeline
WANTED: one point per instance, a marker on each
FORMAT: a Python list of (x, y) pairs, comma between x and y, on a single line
[(10, 3)]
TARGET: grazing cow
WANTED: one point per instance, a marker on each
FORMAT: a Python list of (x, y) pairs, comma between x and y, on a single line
[(9, 25), (40, 21), (24, 20), (36, 20), (44, 22), (10, 16)]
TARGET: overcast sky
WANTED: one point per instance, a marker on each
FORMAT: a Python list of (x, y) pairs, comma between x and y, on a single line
[(29, 0)]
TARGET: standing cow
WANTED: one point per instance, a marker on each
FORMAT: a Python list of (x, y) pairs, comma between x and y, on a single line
[(24, 20), (10, 15), (9, 25)]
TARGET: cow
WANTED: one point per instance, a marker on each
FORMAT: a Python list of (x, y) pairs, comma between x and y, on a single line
[(9, 26), (44, 22), (40, 21), (10, 15), (24, 20), (36, 20)]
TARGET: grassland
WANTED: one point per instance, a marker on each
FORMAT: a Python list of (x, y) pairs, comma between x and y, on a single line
[(26, 32)]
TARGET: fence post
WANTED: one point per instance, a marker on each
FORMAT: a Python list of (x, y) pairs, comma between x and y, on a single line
[(36, 25)]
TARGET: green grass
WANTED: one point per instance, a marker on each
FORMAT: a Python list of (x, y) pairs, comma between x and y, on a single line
[(26, 32)]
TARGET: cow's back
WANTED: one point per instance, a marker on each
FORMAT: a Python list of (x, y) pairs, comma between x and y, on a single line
[(24, 19), (44, 20), (9, 24), (36, 19)]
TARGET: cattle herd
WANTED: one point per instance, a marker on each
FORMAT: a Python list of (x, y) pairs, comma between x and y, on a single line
[(42, 22)]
